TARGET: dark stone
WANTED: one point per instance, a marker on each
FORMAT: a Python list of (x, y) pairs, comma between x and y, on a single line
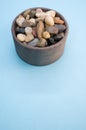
[(58, 37), (51, 41), (20, 30)]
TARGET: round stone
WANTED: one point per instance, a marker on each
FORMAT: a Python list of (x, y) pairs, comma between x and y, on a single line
[(20, 20), (29, 37), (21, 37), (28, 30), (49, 20), (51, 13), (46, 35)]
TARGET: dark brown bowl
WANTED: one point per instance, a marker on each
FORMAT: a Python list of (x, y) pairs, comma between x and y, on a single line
[(40, 56)]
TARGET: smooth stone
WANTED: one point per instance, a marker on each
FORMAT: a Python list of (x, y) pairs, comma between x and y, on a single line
[(41, 43), (58, 20), (28, 30), (32, 22), (51, 41), (40, 29), (34, 42), (20, 20), (29, 37), (59, 36), (25, 24), (60, 27), (51, 13), (52, 29), (20, 30), (40, 14), (46, 35), (49, 20), (21, 37), (39, 10)]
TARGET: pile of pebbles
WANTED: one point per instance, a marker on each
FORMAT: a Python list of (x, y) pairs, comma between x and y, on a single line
[(39, 28)]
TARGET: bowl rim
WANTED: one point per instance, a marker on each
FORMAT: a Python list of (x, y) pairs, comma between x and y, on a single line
[(40, 48)]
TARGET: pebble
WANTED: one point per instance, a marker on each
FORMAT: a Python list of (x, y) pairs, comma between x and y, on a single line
[(34, 32), (26, 23), (20, 20), (28, 17), (28, 30), (27, 12), (52, 29), (51, 41), (20, 30), (40, 29), (59, 36), (40, 14), (39, 10), (49, 20), (21, 37), (29, 37), (46, 35), (60, 27), (40, 19), (41, 43), (32, 13), (34, 42), (51, 13), (32, 22), (58, 20)]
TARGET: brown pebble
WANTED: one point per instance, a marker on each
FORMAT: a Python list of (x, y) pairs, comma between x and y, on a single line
[(58, 20), (40, 29)]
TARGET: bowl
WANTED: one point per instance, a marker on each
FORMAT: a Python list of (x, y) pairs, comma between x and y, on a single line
[(36, 55)]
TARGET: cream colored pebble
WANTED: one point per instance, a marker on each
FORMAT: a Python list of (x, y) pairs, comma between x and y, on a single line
[(49, 20), (38, 10), (29, 37), (28, 30), (21, 37), (51, 13), (28, 17), (32, 22), (46, 35), (40, 14), (20, 20)]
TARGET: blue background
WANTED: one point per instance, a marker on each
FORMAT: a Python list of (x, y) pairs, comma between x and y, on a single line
[(51, 97)]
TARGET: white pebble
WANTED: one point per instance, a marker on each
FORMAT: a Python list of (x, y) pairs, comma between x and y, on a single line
[(29, 37), (51, 13), (32, 22), (28, 30), (49, 20), (20, 20)]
